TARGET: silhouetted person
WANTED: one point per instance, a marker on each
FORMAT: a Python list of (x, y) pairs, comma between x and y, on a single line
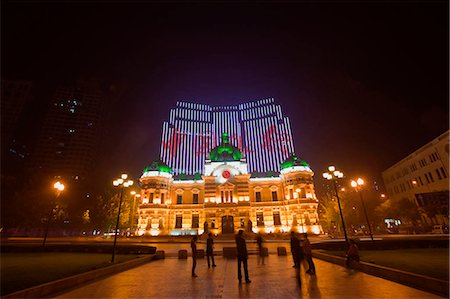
[(259, 241), (295, 250), (242, 256), (307, 250), (194, 255), (210, 250), (352, 253)]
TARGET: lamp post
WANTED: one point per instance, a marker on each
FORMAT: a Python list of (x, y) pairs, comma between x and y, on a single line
[(124, 184), (132, 209), (59, 187), (358, 188), (334, 174)]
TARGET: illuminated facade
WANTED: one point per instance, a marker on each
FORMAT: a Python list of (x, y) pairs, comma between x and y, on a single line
[(257, 128), (226, 198)]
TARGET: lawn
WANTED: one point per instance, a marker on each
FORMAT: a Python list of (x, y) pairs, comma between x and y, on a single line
[(23, 270), (433, 262)]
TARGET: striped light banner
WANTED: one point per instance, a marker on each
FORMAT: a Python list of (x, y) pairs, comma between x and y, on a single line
[(257, 128)]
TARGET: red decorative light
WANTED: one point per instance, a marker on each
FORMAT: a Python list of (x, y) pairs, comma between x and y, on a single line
[(226, 174)]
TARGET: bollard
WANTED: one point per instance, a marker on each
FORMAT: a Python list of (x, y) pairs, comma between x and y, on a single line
[(281, 251), (160, 255), (182, 254)]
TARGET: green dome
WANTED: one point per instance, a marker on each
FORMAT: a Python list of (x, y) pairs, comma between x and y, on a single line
[(225, 151), (293, 160), (158, 166)]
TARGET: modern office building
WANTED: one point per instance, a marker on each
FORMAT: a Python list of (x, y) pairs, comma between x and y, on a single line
[(70, 134), (258, 129), (422, 177), (225, 197)]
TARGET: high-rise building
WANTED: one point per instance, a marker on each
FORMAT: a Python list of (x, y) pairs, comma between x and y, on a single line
[(258, 128), (422, 177), (15, 96), (70, 132)]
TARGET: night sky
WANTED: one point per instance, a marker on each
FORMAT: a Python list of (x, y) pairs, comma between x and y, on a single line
[(364, 84)]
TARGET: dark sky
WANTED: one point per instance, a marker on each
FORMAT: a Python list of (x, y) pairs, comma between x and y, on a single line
[(364, 84)]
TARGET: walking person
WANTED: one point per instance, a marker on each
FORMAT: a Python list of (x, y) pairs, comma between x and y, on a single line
[(259, 241), (295, 250), (194, 255), (210, 250), (242, 256), (307, 250), (352, 253)]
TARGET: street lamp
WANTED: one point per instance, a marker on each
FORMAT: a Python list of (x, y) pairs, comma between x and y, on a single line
[(124, 184), (334, 174), (358, 188), (59, 187), (132, 210)]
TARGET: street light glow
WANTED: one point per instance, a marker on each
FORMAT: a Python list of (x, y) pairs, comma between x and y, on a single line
[(354, 184), (124, 176), (331, 168), (360, 181)]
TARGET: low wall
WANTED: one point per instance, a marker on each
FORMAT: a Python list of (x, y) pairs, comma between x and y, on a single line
[(429, 284)]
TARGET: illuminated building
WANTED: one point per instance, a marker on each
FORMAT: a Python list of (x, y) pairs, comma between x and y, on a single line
[(257, 128), (225, 197), (422, 177)]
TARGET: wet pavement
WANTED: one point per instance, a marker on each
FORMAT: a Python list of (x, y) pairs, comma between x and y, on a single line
[(171, 278)]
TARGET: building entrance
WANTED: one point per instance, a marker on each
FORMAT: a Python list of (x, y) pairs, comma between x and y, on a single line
[(227, 224)]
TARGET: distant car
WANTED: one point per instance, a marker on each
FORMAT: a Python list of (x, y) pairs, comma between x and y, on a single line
[(440, 229)]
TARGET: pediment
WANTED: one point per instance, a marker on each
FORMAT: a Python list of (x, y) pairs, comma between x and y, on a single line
[(227, 184)]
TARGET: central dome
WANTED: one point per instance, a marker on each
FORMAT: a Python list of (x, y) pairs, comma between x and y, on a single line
[(225, 151)]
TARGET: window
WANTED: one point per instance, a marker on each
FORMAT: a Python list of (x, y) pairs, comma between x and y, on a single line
[(426, 177), (276, 218), (259, 219), (258, 196), (302, 193), (195, 221), (274, 196), (443, 172), (213, 223), (420, 180), (291, 194), (438, 174), (150, 199), (242, 223), (162, 197), (431, 177), (179, 199), (179, 221), (195, 198)]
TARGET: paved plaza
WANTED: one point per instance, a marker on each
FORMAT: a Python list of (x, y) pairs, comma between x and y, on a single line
[(171, 278)]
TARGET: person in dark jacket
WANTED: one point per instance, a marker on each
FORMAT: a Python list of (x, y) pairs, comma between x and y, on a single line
[(307, 250), (210, 250), (352, 253), (194, 255), (295, 250), (242, 256)]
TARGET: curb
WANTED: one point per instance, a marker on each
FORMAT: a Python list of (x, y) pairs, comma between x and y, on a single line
[(421, 282), (44, 290)]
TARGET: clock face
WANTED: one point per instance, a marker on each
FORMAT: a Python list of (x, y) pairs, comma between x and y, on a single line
[(226, 174)]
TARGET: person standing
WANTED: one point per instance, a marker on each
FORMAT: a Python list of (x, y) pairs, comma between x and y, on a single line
[(307, 250), (242, 256), (295, 250), (259, 241), (210, 250), (194, 255)]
